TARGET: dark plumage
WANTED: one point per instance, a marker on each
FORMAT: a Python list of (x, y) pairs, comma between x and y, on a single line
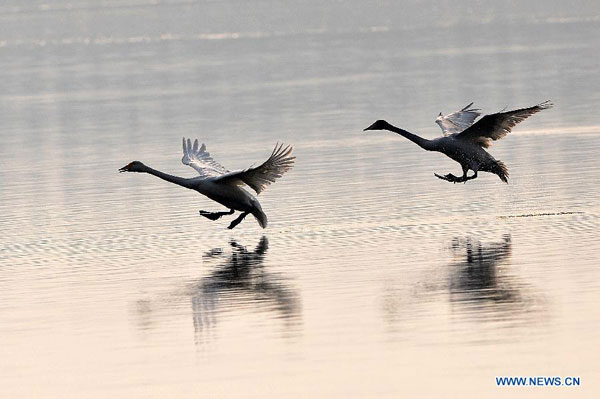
[(468, 146), (223, 186)]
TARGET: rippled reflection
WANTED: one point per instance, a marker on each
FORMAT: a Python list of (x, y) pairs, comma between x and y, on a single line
[(480, 284), (483, 284), (242, 282), (476, 274)]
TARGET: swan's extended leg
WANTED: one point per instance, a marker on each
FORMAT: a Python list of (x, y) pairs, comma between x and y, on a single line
[(238, 220), (455, 179), (472, 177), (215, 215), (464, 177), (474, 168)]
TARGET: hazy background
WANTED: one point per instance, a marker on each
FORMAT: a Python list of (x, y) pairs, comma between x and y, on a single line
[(374, 278)]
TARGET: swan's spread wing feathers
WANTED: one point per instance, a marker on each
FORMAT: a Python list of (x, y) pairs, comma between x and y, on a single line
[(200, 159), (495, 126), (457, 121), (260, 177)]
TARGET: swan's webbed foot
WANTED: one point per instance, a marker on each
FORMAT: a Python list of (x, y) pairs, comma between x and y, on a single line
[(454, 179), (215, 215), (238, 220), (449, 177)]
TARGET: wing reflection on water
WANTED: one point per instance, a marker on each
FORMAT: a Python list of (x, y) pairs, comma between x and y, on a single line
[(476, 276), (484, 285), (239, 282), (242, 282), (480, 284)]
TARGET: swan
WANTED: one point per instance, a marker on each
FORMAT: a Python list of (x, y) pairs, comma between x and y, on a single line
[(223, 186), (465, 141)]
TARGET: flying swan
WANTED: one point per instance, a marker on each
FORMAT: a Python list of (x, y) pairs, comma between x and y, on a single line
[(223, 186), (465, 141)]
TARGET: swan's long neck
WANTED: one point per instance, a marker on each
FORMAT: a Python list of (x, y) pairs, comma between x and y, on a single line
[(181, 181), (420, 141)]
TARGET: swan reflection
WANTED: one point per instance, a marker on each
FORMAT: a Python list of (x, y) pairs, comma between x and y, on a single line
[(484, 285), (480, 284), (242, 282), (476, 276)]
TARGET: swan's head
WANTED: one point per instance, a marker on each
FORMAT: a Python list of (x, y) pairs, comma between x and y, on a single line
[(135, 166), (378, 125)]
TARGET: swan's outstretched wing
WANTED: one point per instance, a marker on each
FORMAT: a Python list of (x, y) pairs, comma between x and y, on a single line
[(260, 177), (495, 126), (457, 121), (200, 159)]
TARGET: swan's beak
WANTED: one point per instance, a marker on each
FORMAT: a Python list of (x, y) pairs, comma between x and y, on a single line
[(124, 169), (369, 128)]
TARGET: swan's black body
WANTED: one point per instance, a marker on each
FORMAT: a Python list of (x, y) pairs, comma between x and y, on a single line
[(468, 147), (223, 186)]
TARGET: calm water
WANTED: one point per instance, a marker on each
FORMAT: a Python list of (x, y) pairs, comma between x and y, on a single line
[(373, 279)]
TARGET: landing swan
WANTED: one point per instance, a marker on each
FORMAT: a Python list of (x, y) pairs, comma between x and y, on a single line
[(465, 141), (223, 186)]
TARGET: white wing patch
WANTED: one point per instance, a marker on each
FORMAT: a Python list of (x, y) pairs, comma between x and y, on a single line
[(200, 159), (457, 121)]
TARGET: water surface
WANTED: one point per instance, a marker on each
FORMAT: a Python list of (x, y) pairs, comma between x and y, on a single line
[(373, 279)]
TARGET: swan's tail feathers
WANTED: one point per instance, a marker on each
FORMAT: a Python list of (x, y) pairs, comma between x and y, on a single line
[(260, 216), (500, 169)]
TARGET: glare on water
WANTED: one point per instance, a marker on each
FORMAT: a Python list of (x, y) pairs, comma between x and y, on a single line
[(373, 279)]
